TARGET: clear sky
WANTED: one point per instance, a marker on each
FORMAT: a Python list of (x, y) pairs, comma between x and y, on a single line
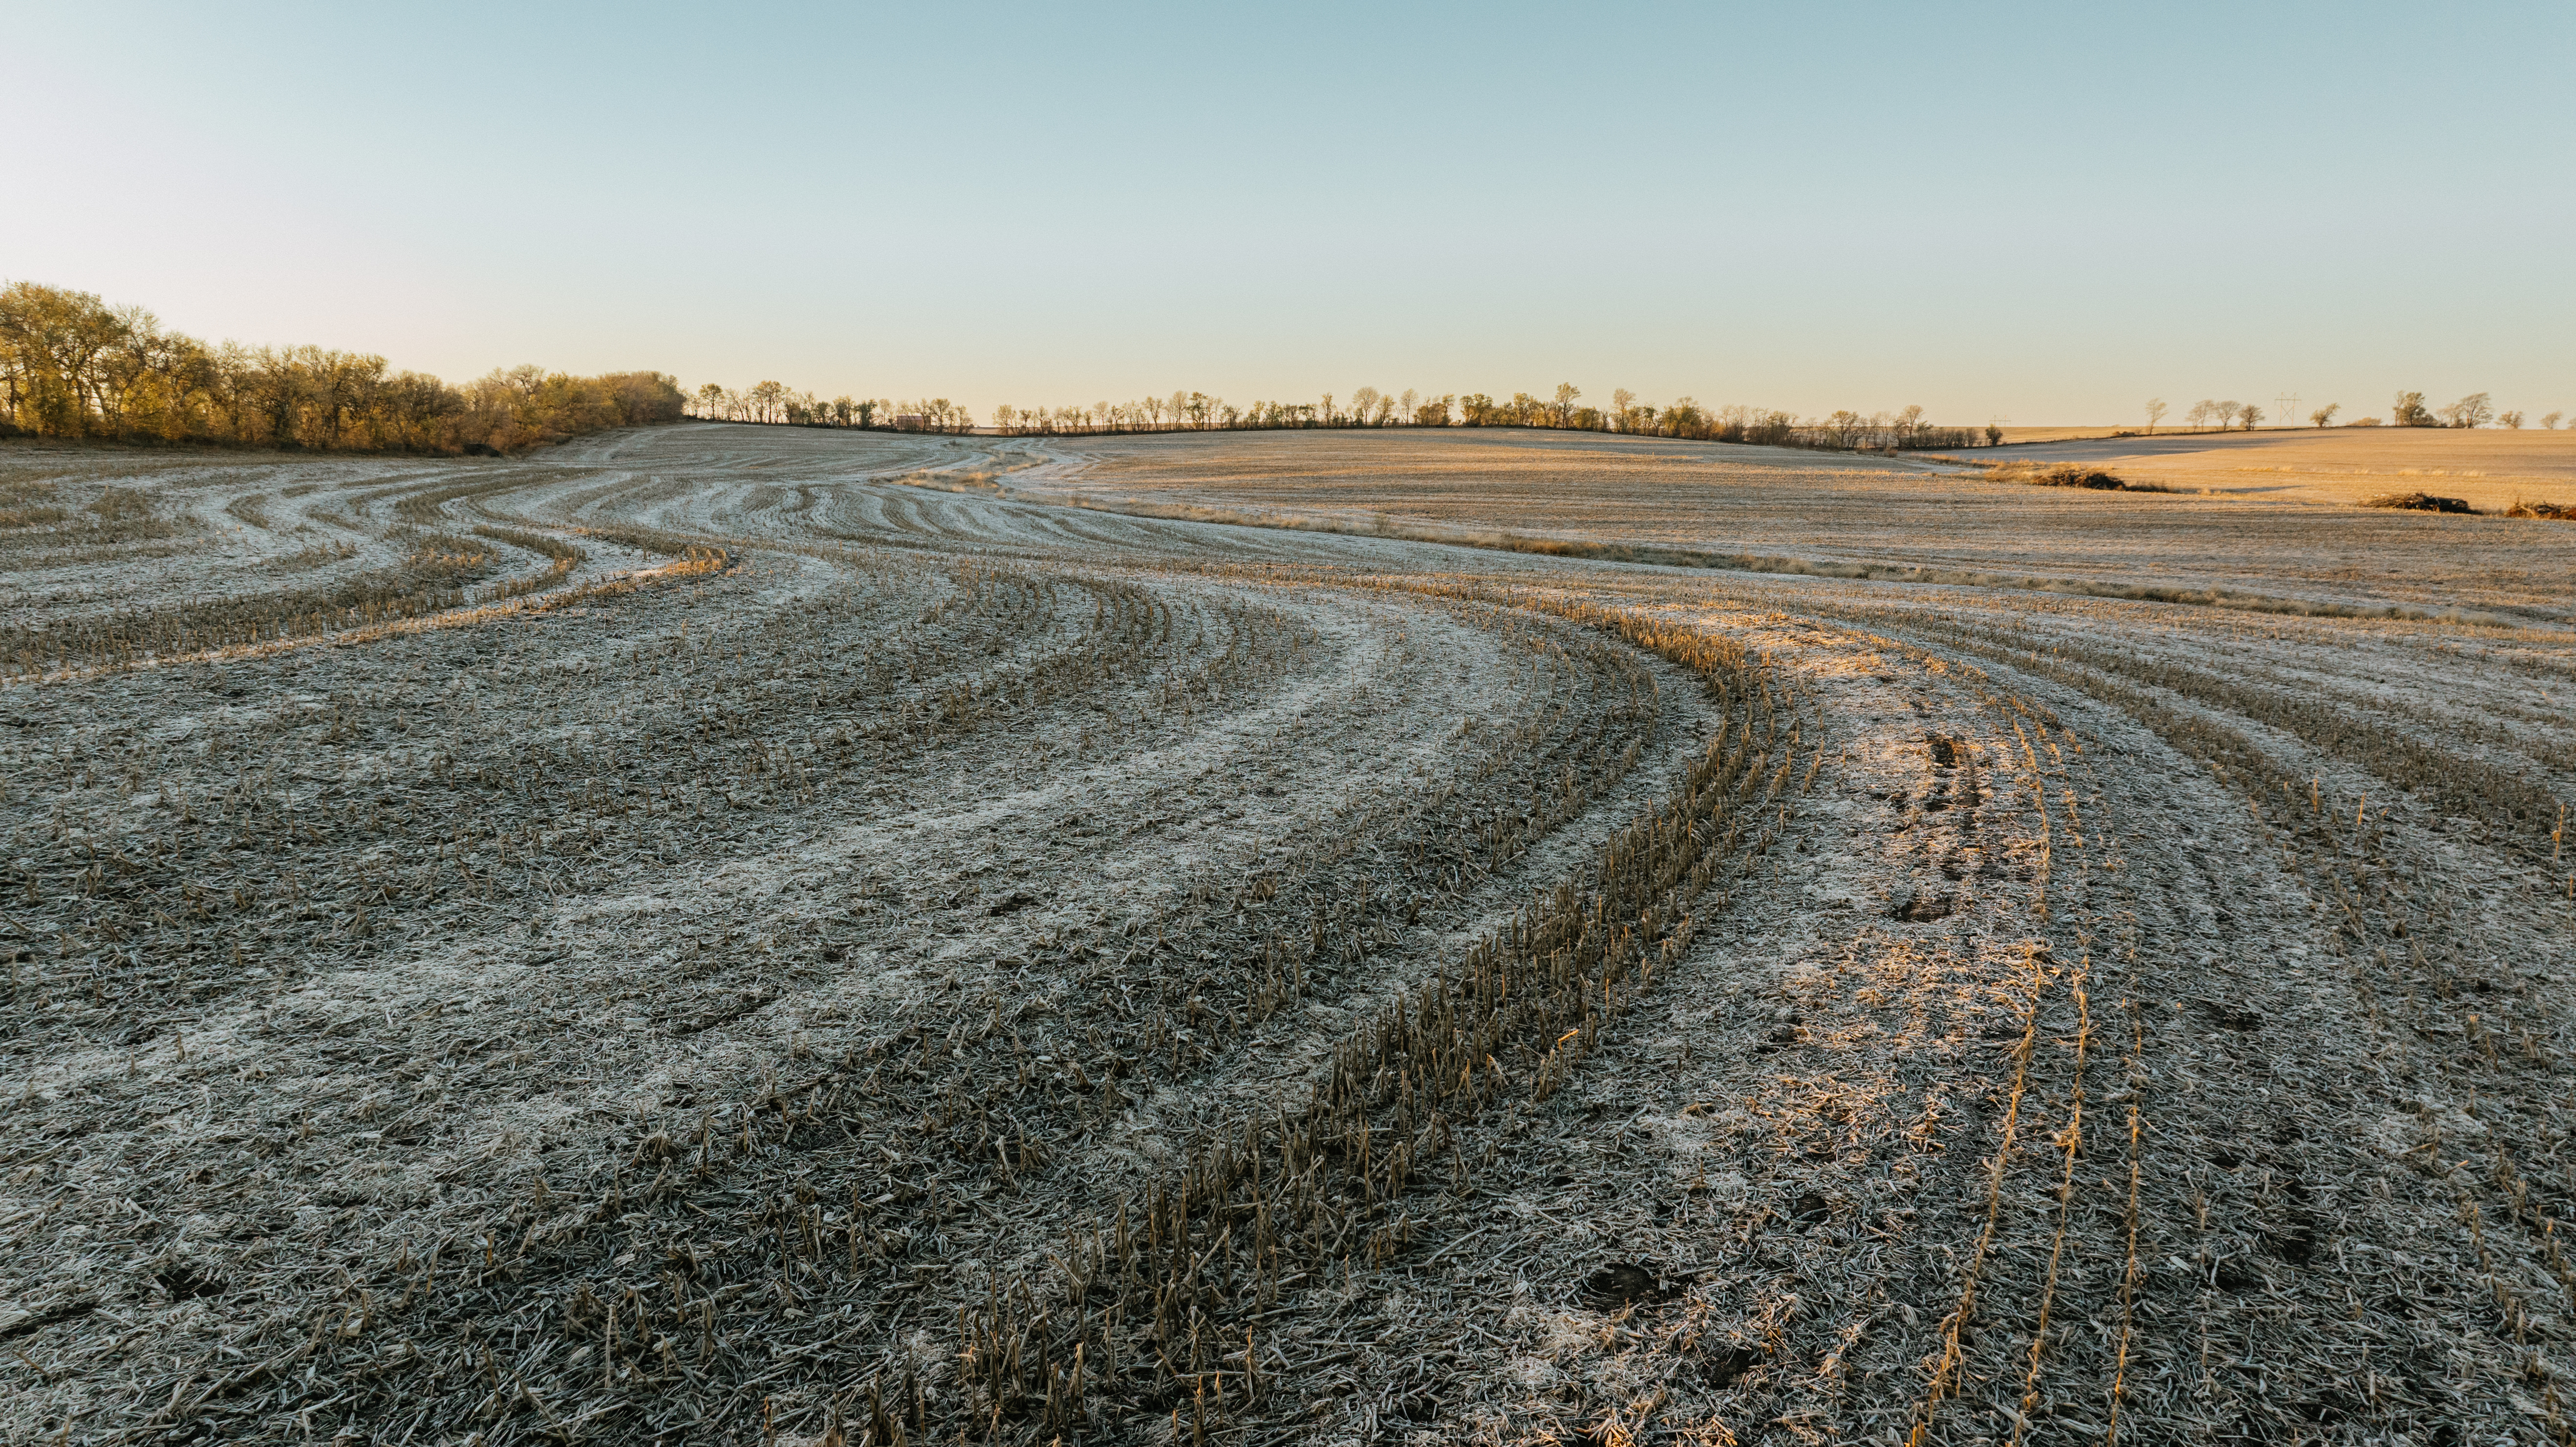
[(2045, 213)]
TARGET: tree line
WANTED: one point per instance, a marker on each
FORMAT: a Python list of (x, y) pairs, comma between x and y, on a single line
[(1563, 411), (71, 365), (1188, 411), (2477, 409), (778, 404), (2410, 410)]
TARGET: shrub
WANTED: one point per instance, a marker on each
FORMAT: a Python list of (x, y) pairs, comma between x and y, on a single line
[(2072, 475), (2069, 474), (2554, 511), (2075, 474), (2419, 502)]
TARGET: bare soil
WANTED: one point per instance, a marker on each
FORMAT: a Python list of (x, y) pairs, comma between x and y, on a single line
[(728, 934)]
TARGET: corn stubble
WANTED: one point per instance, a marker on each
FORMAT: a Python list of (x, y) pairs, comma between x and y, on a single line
[(685, 942)]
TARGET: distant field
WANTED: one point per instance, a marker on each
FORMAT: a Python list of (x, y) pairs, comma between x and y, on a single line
[(1830, 508), (2054, 434), (2488, 469)]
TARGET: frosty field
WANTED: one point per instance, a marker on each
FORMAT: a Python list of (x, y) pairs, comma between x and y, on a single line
[(741, 934)]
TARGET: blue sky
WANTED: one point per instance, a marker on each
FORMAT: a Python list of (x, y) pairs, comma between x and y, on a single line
[(2040, 213)]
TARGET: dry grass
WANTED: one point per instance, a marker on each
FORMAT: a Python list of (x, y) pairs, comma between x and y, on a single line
[(2337, 465)]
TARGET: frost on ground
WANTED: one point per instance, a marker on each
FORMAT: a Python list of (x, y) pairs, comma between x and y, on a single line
[(729, 934)]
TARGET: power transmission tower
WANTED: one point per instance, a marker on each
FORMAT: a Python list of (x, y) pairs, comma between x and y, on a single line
[(2282, 409)]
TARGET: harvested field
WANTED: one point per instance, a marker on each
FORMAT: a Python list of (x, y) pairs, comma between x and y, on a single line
[(726, 934), (2058, 434), (2489, 469), (1795, 510)]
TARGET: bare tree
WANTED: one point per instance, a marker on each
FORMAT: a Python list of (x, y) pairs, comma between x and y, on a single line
[(2473, 410), (1404, 405), (2550, 420), (2247, 414), (2409, 411), (2324, 416), (1563, 411), (2510, 420), (2156, 410)]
